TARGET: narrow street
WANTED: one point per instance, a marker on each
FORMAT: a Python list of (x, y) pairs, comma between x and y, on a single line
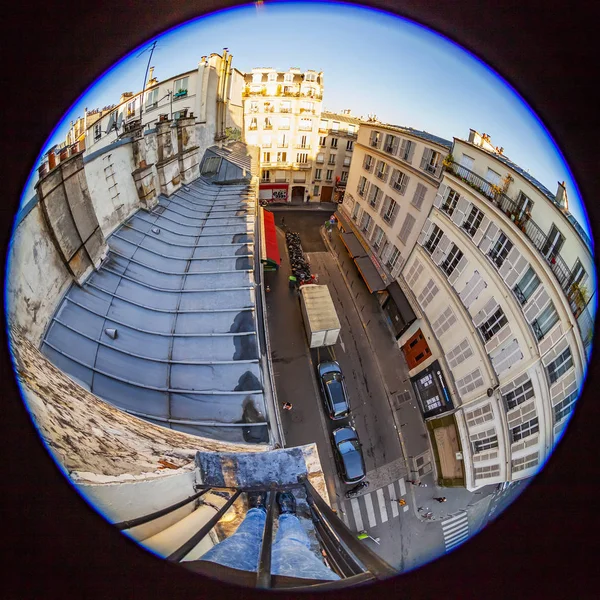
[(382, 407)]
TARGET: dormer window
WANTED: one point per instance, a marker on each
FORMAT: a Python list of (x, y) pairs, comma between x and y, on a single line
[(273, 76), (288, 78), (310, 77), (256, 77)]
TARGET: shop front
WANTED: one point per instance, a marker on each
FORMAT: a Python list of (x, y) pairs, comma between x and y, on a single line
[(397, 310), (274, 192), (269, 249)]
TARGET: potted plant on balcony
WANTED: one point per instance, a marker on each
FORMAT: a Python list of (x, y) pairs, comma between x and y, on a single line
[(447, 162)]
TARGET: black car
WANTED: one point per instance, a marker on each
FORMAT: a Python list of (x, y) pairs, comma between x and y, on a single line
[(334, 390), (348, 455)]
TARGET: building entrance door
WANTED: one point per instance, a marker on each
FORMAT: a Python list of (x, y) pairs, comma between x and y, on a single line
[(298, 194), (326, 192)]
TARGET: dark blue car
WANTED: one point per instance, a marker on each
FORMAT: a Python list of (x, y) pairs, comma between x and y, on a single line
[(348, 455), (334, 390)]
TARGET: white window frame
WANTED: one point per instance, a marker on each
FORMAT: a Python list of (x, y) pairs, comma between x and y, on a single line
[(452, 259), (492, 325), (473, 221)]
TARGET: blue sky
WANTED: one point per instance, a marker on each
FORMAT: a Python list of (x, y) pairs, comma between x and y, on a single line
[(372, 63)]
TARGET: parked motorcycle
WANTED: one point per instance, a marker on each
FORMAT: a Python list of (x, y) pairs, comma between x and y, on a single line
[(357, 488)]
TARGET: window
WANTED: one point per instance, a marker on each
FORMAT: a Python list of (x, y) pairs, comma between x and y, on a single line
[(256, 77), (316, 190), (389, 211), (288, 78), (479, 416), (253, 106), (282, 157), (406, 150), (268, 124), (131, 108), (362, 186), (349, 145), (451, 201), (382, 170), (487, 472), (431, 161), (329, 175), (323, 125), (307, 107), (97, 131), (273, 76), (347, 161), (434, 239), (553, 243), (407, 228), (545, 321), (335, 126), (368, 163), (355, 211), (334, 142), (393, 259), (266, 175), (419, 196), (331, 159), (305, 125), (452, 260), (323, 141), (473, 221), (391, 143), (303, 142), (253, 123), (400, 181), (525, 205), (151, 99), (181, 86), (366, 221), (344, 176), (266, 157), (284, 123), (526, 286), (564, 407), (493, 325), (310, 77), (519, 395), (377, 238), (416, 350), (302, 158), (375, 139), (285, 107), (525, 462), (318, 174), (466, 162), (493, 177), (351, 130), (486, 443), (320, 157), (524, 430), (500, 250)]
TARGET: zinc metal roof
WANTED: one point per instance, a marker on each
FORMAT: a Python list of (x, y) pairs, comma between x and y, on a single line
[(178, 289)]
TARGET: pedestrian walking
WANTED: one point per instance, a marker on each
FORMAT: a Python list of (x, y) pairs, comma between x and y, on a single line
[(441, 499), (283, 222), (292, 282), (287, 406)]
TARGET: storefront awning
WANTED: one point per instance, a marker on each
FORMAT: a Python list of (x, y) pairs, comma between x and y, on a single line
[(355, 248), (271, 254), (369, 274), (401, 302)]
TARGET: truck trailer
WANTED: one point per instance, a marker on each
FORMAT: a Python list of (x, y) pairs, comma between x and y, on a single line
[(320, 318)]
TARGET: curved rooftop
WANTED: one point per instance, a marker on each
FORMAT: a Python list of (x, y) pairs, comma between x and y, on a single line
[(166, 329)]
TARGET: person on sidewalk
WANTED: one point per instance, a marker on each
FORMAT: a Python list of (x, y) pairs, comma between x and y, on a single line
[(290, 555), (441, 499), (287, 406), (293, 282)]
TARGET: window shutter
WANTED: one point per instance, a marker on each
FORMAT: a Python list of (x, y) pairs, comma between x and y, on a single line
[(498, 339), (404, 184), (460, 267), (359, 214), (493, 231), (370, 228), (478, 235), (386, 252), (427, 227), (378, 198), (427, 152), (458, 216), (403, 147), (438, 169), (407, 226), (395, 145), (508, 356), (411, 152), (394, 216), (367, 186), (510, 268), (536, 303), (440, 252), (386, 205), (440, 195), (419, 196), (472, 289), (490, 306)]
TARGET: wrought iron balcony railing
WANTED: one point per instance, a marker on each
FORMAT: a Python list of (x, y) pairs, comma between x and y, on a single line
[(346, 555)]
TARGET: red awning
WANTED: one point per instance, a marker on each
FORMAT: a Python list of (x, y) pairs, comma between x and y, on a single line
[(272, 248)]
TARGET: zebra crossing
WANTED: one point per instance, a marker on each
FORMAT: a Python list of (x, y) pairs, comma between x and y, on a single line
[(378, 506), (455, 530)]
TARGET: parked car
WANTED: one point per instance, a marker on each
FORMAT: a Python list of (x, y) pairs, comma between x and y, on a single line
[(334, 390), (348, 455)]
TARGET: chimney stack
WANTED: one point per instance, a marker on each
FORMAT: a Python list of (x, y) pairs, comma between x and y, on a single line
[(561, 196)]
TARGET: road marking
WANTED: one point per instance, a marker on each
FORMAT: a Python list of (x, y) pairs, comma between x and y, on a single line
[(402, 487), (405, 508), (455, 530), (370, 511), (356, 511), (382, 509), (343, 514), (392, 492), (342, 343)]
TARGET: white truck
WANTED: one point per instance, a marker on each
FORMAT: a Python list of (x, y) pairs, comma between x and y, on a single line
[(320, 319)]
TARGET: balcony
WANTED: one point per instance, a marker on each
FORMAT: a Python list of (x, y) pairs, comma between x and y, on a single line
[(307, 111), (320, 160), (302, 146), (285, 110), (369, 167), (267, 145), (267, 127), (304, 128), (253, 127), (275, 164), (344, 132), (528, 227), (302, 165)]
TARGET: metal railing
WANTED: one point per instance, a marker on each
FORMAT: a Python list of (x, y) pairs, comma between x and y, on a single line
[(531, 230), (346, 555)]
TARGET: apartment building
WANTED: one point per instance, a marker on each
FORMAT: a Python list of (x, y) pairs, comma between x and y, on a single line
[(212, 94), (282, 110), (500, 278), (338, 134), (391, 187)]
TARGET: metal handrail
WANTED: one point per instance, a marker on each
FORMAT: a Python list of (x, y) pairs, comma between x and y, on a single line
[(348, 557)]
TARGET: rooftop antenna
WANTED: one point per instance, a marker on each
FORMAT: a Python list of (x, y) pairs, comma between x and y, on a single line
[(151, 48)]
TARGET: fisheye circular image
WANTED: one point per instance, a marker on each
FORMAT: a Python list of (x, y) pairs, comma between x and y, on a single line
[(295, 318)]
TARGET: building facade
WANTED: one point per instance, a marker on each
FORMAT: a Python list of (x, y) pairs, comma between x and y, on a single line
[(500, 278), (282, 112)]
